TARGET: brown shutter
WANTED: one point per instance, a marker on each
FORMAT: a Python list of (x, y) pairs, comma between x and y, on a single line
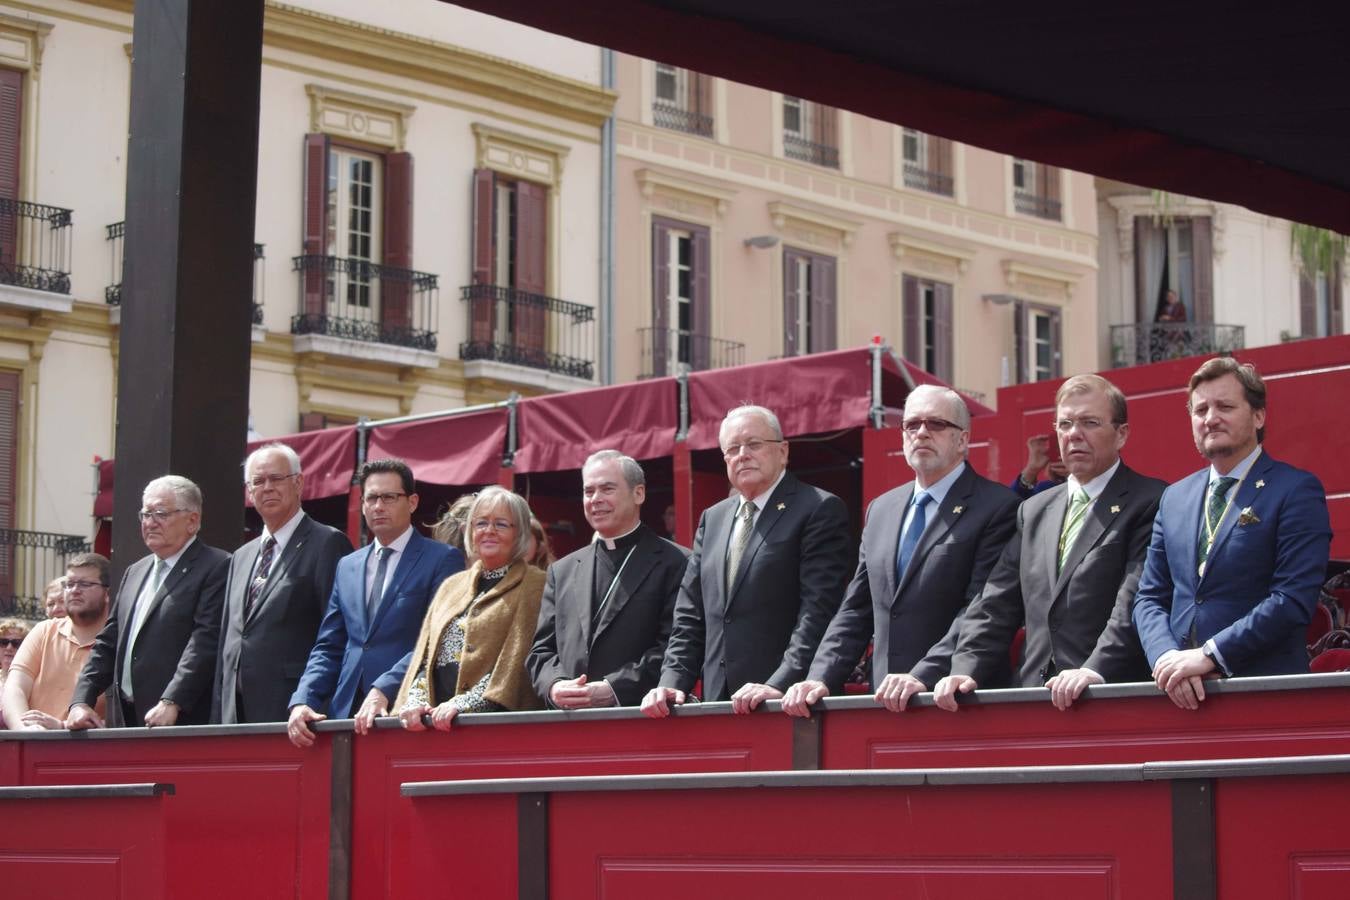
[(396, 292), (827, 125), (531, 272), (313, 421), (316, 220), (1336, 325), (790, 290), (1202, 265), (941, 162), (824, 318), (1307, 305), (660, 297), (1048, 180), (701, 320), (1056, 345), (9, 464), (1020, 342), (11, 122), (942, 332), (1144, 306), (703, 94), (481, 303), (911, 316)]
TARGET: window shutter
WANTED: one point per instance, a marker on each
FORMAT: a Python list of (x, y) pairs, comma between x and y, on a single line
[(316, 221), (940, 160), (313, 421), (396, 293), (911, 320), (1337, 276), (660, 296), (1307, 305), (791, 288), (824, 318), (1047, 179), (482, 303), (1020, 342), (827, 125), (11, 119), (1056, 344), (702, 300), (1202, 264), (942, 332), (531, 250)]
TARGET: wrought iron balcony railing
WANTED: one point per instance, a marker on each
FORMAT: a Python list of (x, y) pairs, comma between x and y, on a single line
[(926, 180), (665, 350), (1037, 205), (525, 329), (29, 560), (116, 239), (1136, 344), (796, 147), (366, 301), (668, 115), (35, 246)]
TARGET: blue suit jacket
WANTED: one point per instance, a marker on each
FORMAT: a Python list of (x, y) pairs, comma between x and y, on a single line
[(1261, 580), (351, 655)]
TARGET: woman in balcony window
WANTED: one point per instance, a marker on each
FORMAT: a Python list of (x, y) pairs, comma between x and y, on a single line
[(470, 656)]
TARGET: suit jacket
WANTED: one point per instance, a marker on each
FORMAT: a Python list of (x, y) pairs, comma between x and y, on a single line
[(1079, 617), (262, 656), (175, 653), (352, 654), (791, 579), (1261, 579), (949, 567), (625, 646)]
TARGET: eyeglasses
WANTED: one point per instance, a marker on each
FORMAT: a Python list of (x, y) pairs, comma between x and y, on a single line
[(498, 525), (10, 642), (751, 446), (1085, 423), (84, 585), (386, 498), (257, 484), (934, 426), (159, 515)]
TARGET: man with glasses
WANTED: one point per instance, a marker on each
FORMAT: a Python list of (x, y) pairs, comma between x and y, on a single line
[(767, 571), (42, 677), (1070, 572), (158, 650), (927, 548), (276, 594), (379, 598)]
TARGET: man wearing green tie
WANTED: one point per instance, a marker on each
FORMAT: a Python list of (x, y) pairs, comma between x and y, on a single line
[(1070, 572)]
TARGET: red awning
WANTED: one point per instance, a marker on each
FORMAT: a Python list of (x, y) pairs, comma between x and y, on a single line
[(455, 449), (559, 431)]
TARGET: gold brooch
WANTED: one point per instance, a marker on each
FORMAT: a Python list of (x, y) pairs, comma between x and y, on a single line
[(782, 506), (1260, 483), (1115, 509), (1247, 517), (956, 510)]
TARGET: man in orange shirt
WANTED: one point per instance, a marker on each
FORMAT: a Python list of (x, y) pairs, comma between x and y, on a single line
[(42, 677)]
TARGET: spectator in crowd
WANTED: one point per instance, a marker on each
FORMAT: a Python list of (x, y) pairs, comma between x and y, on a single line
[(275, 595), (927, 548), (158, 649), (12, 634), (607, 608), (538, 553), (668, 522), (1026, 484), (54, 598), (1070, 572), (1171, 309), (42, 679), (470, 654), (1238, 552), (450, 527), (766, 574), (380, 595)]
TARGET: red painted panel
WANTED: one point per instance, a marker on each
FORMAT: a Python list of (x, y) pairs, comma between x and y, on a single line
[(465, 848), (1283, 837)]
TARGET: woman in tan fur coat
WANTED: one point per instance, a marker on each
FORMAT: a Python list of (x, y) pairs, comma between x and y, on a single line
[(470, 656)]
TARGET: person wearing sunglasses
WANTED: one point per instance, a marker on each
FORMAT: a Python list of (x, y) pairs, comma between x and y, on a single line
[(12, 633)]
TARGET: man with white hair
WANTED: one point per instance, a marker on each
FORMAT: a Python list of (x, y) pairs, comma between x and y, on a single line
[(158, 649), (766, 574)]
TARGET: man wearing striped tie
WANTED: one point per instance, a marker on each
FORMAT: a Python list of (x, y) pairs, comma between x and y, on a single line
[(1069, 574), (1239, 549)]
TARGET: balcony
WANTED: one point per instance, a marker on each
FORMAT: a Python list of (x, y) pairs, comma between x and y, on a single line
[(1137, 344), (676, 118), (925, 180), (29, 560), (1038, 205), (115, 236), (520, 328), (35, 242), (364, 302), (797, 147), (666, 350)]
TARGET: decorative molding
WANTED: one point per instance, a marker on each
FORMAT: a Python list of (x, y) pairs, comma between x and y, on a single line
[(325, 345), (481, 374), (15, 297), (518, 155), (905, 247), (683, 198), (820, 227), (370, 119), (1039, 282), (22, 41), (1128, 207)]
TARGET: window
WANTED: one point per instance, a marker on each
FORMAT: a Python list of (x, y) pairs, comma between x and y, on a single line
[(684, 100), (509, 314), (808, 302), (1175, 254), (681, 314), (1036, 189), (353, 223), (926, 161), (1036, 331), (1320, 302), (809, 132), (927, 315)]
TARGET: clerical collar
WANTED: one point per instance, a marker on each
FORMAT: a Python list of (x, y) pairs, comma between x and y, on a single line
[(623, 541)]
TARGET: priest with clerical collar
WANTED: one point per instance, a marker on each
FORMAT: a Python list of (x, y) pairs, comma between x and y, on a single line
[(607, 608)]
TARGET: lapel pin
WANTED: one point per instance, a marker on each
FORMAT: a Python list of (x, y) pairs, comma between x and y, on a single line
[(1260, 483), (1115, 509), (782, 506), (956, 510)]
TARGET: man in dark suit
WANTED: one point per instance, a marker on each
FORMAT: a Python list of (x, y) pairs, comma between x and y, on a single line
[(607, 608), (158, 649), (1071, 570), (927, 548), (379, 598), (1239, 549), (767, 572), (275, 595)]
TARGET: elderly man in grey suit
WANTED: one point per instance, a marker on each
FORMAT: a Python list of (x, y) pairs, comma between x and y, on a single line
[(766, 574), (927, 548), (607, 608), (1071, 570), (275, 595)]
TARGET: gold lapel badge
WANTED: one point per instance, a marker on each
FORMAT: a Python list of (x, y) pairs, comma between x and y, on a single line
[(956, 510), (1114, 510), (782, 506), (1247, 517), (1260, 483)]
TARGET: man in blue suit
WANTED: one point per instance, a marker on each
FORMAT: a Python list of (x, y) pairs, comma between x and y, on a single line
[(1239, 549), (379, 598)]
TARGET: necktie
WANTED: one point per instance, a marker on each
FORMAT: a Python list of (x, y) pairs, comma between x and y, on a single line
[(1073, 523), (377, 586), (142, 609), (910, 541), (269, 548), (740, 538), (1214, 510)]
